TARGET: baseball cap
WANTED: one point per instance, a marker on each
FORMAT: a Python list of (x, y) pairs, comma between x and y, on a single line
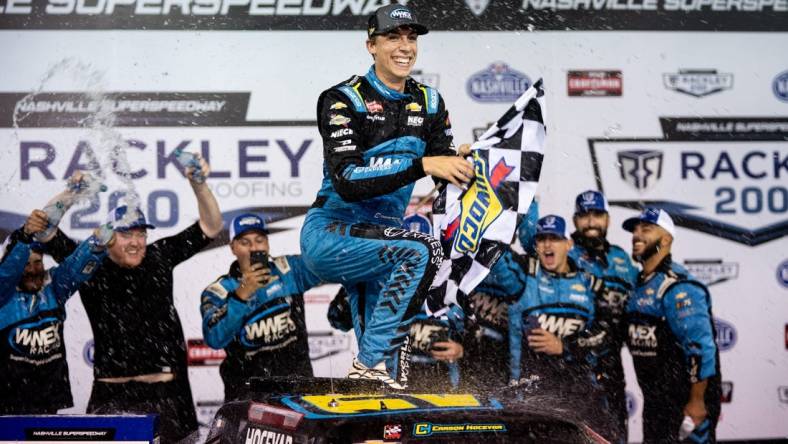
[(120, 221), (391, 17), (654, 216), (590, 201), (552, 224), (247, 222)]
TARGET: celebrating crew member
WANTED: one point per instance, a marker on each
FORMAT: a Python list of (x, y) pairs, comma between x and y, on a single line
[(32, 313), (381, 132), (593, 253), (140, 356), (562, 326), (256, 311), (671, 338)]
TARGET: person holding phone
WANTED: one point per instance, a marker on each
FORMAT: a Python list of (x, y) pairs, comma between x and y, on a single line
[(255, 312)]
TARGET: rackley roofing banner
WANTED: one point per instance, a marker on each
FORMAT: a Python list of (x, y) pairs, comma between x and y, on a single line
[(441, 15)]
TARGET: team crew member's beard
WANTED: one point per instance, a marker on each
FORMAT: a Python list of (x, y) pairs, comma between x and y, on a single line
[(648, 253)]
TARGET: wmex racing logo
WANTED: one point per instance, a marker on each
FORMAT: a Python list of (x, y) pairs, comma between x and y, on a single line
[(721, 176)]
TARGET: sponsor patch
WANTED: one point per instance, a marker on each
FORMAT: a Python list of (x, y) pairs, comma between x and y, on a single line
[(376, 117), (338, 105), (373, 106), (342, 149), (698, 83), (712, 271), (89, 267), (392, 431), (497, 83), (413, 107), (341, 133), (401, 14), (428, 428), (594, 83), (338, 120), (415, 120)]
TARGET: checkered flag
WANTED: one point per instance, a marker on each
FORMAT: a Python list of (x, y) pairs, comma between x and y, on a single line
[(475, 223)]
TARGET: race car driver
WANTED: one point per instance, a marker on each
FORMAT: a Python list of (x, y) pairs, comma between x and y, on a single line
[(381, 132), (593, 253), (671, 337), (256, 311), (32, 313)]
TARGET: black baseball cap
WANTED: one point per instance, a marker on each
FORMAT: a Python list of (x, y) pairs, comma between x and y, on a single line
[(391, 17)]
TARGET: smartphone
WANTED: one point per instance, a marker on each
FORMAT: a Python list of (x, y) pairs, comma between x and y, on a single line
[(530, 322), (259, 257)]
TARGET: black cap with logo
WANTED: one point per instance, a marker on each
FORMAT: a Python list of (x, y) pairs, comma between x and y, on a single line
[(391, 17)]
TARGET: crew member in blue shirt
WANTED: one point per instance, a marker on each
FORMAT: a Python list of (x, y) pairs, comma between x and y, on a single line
[(671, 337)]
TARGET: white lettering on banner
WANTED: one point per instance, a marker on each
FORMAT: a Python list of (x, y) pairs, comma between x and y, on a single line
[(206, 7), (17, 7), (560, 326), (257, 436), (130, 106)]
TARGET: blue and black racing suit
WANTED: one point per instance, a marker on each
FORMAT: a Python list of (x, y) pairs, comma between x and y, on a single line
[(374, 139), (671, 338), (265, 335), (566, 305), (32, 352), (612, 264)]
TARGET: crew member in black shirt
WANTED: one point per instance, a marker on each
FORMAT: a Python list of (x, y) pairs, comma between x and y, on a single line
[(140, 357)]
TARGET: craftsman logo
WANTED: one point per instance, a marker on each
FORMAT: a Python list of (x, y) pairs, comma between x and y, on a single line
[(726, 334), (560, 326), (727, 392), (594, 83), (639, 168), (257, 436), (780, 86), (497, 83), (200, 354), (698, 83), (325, 344), (725, 177), (712, 271), (477, 7)]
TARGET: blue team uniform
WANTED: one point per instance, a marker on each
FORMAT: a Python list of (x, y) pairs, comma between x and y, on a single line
[(265, 335), (671, 338), (374, 139), (32, 351)]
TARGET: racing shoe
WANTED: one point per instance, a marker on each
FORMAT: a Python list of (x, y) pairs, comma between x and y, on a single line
[(376, 373)]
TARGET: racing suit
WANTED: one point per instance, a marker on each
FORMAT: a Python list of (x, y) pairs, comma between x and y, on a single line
[(671, 338), (567, 306), (374, 139), (265, 335), (33, 354), (612, 264)]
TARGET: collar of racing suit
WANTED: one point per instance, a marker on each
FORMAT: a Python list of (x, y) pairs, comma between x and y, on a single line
[(664, 267), (380, 87), (596, 248), (572, 270)]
